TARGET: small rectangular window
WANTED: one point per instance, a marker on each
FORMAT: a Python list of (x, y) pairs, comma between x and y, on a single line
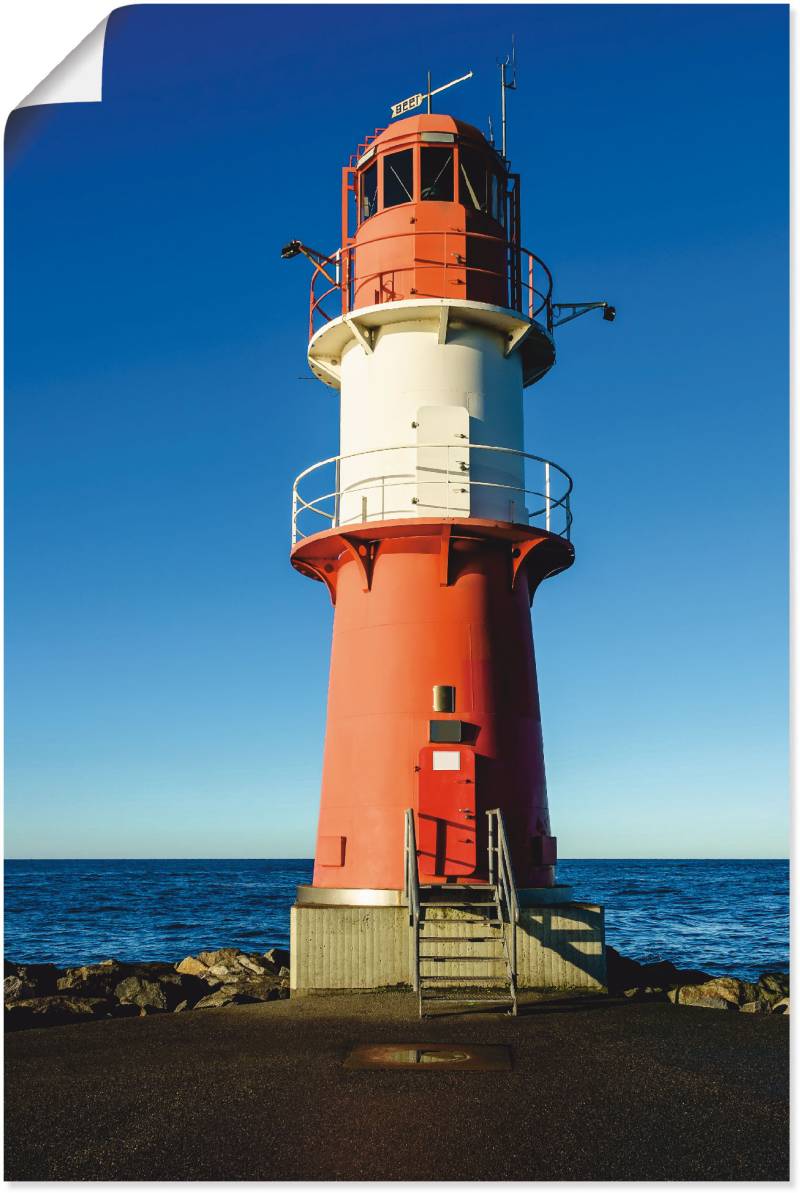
[(398, 178), (368, 202), (436, 180)]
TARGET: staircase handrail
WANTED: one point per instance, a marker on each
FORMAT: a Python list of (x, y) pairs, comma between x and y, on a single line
[(506, 886), (411, 891), (505, 869)]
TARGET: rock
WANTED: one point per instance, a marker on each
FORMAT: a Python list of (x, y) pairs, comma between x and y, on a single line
[(54, 1010), (192, 966), (224, 997), (220, 977), (15, 988), (774, 986), (781, 1007), (250, 964), (277, 959), (231, 967), (219, 971), (719, 994), (258, 988), (758, 1006), (94, 981), (30, 981), (219, 957), (692, 996), (138, 991), (224, 963), (623, 973), (645, 992), (161, 988)]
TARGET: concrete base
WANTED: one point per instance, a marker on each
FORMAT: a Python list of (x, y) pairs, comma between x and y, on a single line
[(351, 948)]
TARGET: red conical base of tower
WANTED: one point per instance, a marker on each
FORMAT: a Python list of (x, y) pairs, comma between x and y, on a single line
[(421, 604)]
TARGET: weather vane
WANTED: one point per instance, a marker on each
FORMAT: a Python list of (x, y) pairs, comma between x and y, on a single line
[(415, 101)]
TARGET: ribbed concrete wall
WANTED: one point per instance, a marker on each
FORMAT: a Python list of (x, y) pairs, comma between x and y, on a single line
[(349, 948), (561, 948), (369, 948)]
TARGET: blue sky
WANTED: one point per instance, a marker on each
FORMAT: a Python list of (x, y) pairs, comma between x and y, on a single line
[(166, 668)]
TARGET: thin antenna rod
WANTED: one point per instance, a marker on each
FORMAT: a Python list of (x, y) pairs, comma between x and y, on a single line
[(505, 86), (429, 91), (503, 108)]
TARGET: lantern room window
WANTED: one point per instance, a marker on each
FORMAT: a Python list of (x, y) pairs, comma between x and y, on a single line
[(368, 194), (398, 178), (479, 188), (437, 173)]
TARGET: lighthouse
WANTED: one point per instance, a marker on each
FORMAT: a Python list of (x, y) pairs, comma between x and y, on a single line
[(431, 529)]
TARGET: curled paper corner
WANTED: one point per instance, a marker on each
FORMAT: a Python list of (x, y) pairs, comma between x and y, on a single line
[(78, 79)]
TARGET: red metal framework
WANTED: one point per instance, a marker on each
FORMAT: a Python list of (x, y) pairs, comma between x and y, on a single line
[(364, 146), (518, 279)]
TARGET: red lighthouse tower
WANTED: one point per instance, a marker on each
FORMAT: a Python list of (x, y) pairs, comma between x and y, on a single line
[(431, 529)]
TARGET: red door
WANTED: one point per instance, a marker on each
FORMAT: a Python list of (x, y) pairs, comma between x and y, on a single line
[(446, 819)]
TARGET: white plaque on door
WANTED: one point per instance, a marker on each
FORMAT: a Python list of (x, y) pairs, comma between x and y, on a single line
[(447, 760)]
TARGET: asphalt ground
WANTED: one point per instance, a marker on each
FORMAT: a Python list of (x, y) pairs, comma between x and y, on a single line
[(599, 1089)]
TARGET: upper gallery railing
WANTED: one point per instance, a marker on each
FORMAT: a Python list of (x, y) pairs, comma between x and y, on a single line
[(518, 279)]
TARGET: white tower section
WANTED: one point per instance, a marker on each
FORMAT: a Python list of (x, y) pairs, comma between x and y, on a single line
[(431, 410)]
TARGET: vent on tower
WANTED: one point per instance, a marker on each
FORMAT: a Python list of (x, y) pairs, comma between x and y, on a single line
[(444, 697)]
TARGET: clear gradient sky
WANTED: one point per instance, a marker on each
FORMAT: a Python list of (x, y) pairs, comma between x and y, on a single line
[(166, 668)]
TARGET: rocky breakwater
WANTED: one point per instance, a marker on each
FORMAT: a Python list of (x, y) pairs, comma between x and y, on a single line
[(695, 988), (45, 996)]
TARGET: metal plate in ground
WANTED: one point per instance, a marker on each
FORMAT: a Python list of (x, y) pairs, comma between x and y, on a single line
[(485, 1058)]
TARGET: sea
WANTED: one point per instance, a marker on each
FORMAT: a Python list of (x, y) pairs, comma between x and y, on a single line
[(721, 916)]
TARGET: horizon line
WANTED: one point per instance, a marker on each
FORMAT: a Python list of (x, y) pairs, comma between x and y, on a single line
[(240, 858)]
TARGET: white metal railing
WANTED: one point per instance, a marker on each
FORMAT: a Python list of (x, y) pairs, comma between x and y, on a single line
[(451, 486)]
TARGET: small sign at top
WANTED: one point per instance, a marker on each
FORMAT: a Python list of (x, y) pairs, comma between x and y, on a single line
[(407, 105), (415, 101)]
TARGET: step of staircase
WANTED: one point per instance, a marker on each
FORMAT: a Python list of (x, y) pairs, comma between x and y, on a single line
[(484, 929), (433, 939), (443, 960), (441, 903)]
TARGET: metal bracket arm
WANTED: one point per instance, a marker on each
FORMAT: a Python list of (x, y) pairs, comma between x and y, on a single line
[(296, 248), (576, 309)]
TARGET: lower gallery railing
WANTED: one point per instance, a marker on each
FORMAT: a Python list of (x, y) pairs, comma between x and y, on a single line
[(430, 480)]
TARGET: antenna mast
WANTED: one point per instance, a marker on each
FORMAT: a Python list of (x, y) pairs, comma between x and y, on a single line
[(510, 60)]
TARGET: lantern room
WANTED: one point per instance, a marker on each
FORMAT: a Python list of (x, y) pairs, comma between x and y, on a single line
[(434, 213)]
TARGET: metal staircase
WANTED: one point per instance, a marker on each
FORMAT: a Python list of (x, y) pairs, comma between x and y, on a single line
[(463, 937)]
